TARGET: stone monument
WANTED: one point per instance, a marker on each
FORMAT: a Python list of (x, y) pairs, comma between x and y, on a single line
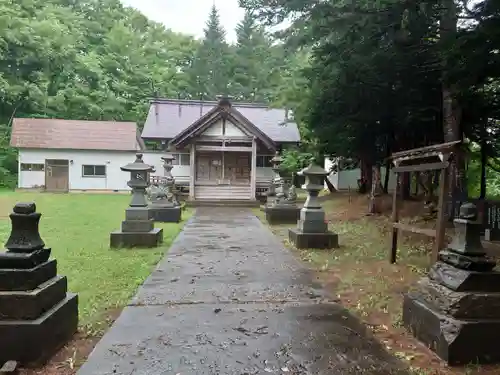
[(137, 229), (312, 229), (165, 206), (455, 310), (271, 192), (283, 208), (37, 315)]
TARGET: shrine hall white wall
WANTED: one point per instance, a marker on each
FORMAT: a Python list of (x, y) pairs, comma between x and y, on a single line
[(115, 178), (182, 172), (231, 130)]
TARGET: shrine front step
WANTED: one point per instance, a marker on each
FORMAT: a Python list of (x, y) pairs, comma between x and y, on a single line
[(223, 203)]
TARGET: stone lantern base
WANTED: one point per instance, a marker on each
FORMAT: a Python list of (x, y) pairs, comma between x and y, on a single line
[(165, 213), (455, 309), (37, 314), (137, 230), (312, 231), (120, 239), (301, 240), (282, 214), (456, 313)]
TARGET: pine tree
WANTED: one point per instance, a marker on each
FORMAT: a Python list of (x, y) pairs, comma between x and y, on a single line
[(253, 64), (210, 69)]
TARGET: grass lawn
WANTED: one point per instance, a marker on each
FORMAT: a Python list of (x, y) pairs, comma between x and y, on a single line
[(77, 227), (360, 275)]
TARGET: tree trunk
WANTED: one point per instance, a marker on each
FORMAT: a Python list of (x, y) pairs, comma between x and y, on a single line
[(330, 186), (366, 174), (405, 185), (484, 160), (417, 183), (376, 191), (386, 177), (452, 112)]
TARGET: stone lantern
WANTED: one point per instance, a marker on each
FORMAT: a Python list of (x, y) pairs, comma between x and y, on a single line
[(139, 180), (137, 229), (276, 181), (166, 208), (454, 310), (282, 208), (37, 314), (312, 228), (170, 180)]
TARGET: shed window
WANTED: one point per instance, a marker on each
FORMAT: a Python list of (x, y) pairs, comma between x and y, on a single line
[(32, 167), (264, 161), (93, 170)]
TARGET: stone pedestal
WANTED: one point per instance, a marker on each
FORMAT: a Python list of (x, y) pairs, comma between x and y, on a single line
[(455, 310), (312, 229), (137, 229), (282, 214), (166, 209), (165, 213), (37, 315), (280, 207)]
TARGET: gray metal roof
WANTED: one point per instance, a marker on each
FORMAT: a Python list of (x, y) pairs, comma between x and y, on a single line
[(176, 115)]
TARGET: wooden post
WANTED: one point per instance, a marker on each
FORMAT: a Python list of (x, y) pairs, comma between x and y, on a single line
[(192, 171), (395, 219), (441, 216), (253, 170), (408, 161)]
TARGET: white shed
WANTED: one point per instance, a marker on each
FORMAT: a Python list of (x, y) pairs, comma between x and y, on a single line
[(345, 179), (74, 155)]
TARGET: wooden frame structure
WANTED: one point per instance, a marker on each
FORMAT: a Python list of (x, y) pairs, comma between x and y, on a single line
[(436, 157)]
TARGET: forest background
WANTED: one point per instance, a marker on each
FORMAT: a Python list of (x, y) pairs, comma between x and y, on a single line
[(362, 79)]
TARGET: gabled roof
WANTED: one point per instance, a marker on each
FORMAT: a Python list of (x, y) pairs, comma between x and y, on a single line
[(217, 113), (75, 134), (169, 117)]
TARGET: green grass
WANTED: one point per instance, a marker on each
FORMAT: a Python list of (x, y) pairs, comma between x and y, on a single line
[(77, 227), (360, 275)]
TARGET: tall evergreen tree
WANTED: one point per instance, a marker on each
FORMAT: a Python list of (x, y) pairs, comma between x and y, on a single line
[(210, 69), (252, 65)]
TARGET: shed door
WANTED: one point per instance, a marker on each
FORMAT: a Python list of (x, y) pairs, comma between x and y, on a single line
[(56, 175)]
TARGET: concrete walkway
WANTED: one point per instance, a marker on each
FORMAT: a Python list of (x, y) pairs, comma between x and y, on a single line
[(230, 299)]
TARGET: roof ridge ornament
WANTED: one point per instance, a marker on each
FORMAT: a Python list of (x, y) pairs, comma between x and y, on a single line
[(224, 102)]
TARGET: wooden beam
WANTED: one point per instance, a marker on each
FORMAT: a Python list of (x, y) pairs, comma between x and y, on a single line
[(395, 218), (192, 169), (441, 216), (421, 167), (216, 138), (224, 148), (433, 148), (253, 170), (413, 229)]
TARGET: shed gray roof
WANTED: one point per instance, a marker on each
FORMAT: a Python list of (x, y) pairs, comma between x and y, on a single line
[(169, 117)]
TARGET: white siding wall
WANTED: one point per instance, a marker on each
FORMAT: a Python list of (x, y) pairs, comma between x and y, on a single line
[(115, 178), (344, 180)]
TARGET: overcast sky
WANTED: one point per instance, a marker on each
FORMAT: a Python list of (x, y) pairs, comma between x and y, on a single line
[(190, 16)]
